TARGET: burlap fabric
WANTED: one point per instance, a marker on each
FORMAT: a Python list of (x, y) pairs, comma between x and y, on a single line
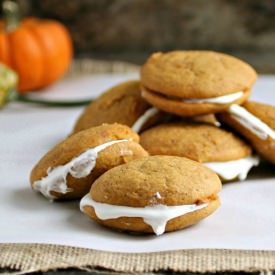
[(27, 258), (43, 257)]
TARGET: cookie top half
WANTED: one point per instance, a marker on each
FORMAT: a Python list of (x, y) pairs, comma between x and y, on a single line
[(80, 142), (120, 104), (175, 180), (197, 141), (196, 74)]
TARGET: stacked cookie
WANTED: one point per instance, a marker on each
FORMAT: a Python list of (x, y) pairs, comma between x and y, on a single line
[(68, 170), (190, 83), (153, 194), (169, 177)]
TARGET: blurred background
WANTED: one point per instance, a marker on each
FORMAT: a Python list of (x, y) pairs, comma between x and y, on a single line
[(130, 30)]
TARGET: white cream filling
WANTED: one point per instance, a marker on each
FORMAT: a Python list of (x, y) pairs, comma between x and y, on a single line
[(234, 169), (225, 99), (144, 118), (251, 122), (156, 216), (79, 167), (217, 124)]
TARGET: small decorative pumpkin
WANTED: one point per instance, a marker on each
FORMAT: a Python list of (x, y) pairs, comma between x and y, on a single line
[(8, 81), (40, 51)]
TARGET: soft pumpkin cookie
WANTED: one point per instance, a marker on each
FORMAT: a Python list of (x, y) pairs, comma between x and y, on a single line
[(256, 122), (68, 170), (122, 104), (218, 149), (191, 83), (153, 194)]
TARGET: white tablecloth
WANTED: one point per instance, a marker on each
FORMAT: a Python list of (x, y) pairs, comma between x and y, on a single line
[(246, 219)]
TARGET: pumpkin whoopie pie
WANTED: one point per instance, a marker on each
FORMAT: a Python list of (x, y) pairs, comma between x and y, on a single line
[(122, 104), (68, 170), (153, 194), (256, 122), (191, 83), (220, 150)]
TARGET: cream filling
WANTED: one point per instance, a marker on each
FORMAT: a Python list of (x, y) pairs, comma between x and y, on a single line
[(225, 99), (78, 167), (144, 118), (156, 216), (234, 169), (251, 122)]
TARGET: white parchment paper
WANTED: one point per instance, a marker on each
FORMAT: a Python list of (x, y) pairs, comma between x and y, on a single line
[(246, 219)]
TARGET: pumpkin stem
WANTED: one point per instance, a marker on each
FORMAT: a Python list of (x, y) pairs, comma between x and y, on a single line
[(11, 15)]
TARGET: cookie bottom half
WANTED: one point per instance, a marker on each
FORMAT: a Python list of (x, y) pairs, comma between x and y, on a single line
[(187, 109), (133, 224)]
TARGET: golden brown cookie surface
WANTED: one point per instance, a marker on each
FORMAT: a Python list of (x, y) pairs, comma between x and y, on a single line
[(78, 144), (196, 74), (200, 142), (156, 180), (122, 104)]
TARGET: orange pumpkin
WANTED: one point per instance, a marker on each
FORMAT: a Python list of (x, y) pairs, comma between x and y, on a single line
[(40, 51)]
